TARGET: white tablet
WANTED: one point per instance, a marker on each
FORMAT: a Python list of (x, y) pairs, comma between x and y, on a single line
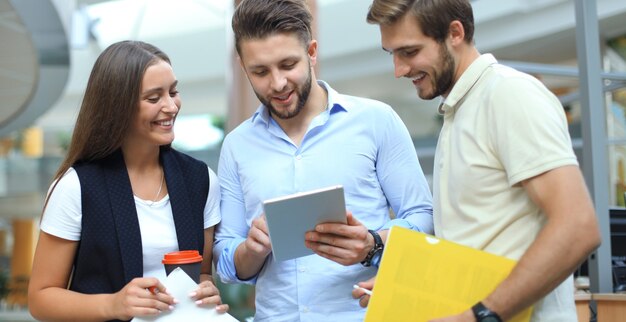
[(290, 217)]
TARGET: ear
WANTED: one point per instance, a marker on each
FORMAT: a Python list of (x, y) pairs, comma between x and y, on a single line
[(456, 33), (312, 51)]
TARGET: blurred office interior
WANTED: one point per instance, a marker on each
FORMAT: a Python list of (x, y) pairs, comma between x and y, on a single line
[(49, 46)]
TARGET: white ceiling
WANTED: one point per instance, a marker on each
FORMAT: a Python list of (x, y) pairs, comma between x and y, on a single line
[(196, 35)]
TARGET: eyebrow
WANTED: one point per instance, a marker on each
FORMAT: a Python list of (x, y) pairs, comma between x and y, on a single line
[(400, 48), (282, 61)]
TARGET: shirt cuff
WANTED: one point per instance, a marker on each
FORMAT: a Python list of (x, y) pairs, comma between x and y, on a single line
[(226, 263)]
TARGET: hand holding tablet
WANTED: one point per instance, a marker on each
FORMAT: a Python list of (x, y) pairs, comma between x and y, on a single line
[(290, 217)]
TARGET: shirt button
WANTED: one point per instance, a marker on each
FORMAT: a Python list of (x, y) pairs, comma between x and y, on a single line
[(305, 309), (302, 269), (299, 157)]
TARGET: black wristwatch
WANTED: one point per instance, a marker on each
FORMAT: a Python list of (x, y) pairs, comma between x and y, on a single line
[(483, 314), (377, 249)]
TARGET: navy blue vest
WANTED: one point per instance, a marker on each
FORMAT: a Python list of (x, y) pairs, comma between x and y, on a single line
[(109, 253)]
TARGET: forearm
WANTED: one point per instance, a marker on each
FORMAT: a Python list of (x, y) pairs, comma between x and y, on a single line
[(57, 304), (555, 254), (247, 264), (422, 222)]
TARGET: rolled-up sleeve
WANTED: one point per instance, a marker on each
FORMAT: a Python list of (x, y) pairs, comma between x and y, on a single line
[(402, 179), (233, 229)]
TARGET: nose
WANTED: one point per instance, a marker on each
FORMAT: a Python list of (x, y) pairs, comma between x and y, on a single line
[(400, 68), (279, 81), (172, 105)]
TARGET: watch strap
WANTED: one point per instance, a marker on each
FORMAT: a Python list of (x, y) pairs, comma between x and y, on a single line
[(482, 313), (378, 248)]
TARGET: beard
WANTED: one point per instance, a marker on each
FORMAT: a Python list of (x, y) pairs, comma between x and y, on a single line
[(442, 81), (302, 92)]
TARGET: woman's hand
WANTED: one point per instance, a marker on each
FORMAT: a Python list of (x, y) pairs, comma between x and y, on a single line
[(143, 296), (208, 294)]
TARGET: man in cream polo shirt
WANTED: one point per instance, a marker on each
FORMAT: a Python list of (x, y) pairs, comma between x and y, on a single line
[(506, 179)]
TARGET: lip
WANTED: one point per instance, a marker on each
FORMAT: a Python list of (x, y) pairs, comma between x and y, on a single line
[(165, 123), (279, 98), (419, 78)]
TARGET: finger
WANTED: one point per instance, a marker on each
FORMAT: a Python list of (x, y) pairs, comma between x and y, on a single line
[(144, 311), (369, 284), (161, 305), (352, 221), (336, 241), (261, 224), (157, 289), (166, 298), (348, 231), (210, 300), (149, 306), (205, 289), (335, 254), (259, 231), (222, 308), (260, 240), (364, 301)]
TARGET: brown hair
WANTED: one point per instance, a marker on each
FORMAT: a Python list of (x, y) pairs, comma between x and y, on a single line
[(433, 16), (111, 101), (257, 19)]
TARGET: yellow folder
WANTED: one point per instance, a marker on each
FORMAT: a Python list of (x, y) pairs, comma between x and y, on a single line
[(422, 277)]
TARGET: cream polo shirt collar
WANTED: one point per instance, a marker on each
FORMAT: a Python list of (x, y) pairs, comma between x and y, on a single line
[(466, 82)]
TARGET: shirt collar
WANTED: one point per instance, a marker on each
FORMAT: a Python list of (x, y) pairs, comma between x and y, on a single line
[(465, 83)]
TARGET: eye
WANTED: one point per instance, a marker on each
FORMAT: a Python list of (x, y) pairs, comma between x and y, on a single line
[(260, 72), (408, 52), (152, 99), (289, 66), (173, 93)]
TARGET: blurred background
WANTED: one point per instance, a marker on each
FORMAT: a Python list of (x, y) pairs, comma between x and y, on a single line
[(49, 46)]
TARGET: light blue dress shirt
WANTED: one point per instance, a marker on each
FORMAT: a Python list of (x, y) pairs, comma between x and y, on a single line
[(359, 143)]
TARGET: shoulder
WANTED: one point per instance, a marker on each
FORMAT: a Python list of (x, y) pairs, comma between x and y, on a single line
[(507, 78), (510, 88), (363, 106), (355, 104), (69, 181)]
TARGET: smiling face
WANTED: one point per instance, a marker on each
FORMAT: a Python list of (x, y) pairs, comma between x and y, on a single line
[(159, 102), (279, 70), (429, 64)]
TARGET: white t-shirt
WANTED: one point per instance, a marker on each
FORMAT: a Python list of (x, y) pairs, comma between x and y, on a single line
[(63, 215)]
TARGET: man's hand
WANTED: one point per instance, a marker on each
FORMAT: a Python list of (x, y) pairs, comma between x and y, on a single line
[(258, 241), (360, 294), (345, 244), (250, 255)]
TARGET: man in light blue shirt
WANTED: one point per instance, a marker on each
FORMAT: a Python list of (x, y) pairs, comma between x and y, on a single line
[(307, 136)]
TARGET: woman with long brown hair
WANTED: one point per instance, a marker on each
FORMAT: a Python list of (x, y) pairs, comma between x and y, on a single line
[(122, 198)]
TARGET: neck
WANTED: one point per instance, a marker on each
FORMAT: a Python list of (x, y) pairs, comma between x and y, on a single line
[(296, 127), (142, 159)]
